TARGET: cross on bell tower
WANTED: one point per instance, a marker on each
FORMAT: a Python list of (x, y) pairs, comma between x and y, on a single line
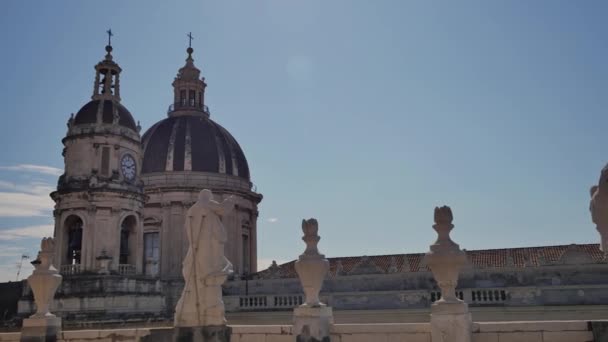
[(190, 39)]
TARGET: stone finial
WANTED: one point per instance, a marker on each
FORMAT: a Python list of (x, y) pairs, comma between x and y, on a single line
[(310, 228), (599, 208), (311, 265), (445, 258), (312, 320), (43, 325), (104, 263), (45, 279), (274, 269), (70, 121), (450, 318)]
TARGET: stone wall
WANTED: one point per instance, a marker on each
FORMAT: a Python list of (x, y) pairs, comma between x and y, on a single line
[(538, 331), (584, 284)]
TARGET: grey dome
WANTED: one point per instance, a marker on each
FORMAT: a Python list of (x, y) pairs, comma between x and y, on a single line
[(192, 143), (88, 113)]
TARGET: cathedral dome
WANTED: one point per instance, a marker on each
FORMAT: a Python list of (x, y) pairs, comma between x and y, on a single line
[(192, 143), (110, 111)]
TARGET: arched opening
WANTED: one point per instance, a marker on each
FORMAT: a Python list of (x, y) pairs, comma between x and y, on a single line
[(127, 240), (246, 247), (73, 226)]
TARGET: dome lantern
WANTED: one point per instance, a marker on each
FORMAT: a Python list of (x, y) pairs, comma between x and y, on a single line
[(189, 89), (108, 87)]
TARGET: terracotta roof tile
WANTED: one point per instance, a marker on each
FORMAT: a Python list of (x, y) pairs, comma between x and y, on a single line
[(487, 258)]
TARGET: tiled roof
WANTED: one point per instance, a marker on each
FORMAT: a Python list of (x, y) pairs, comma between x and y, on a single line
[(487, 258)]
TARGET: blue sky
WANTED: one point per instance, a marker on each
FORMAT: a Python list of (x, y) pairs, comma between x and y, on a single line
[(363, 114)]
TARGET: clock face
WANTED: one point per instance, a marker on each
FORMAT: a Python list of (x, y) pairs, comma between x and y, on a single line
[(128, 167)]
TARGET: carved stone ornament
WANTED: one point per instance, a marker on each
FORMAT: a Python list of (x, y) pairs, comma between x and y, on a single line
[(599, 208), (445, 259), (312, 267), (104, 263), (450, 317), (45, 279)]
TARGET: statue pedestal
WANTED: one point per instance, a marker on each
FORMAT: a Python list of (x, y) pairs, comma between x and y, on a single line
[(43, 329), (312, 324), (450, 322), (211, 333)]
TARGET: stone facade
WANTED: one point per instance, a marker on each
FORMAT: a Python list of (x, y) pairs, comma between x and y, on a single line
[(171, 194)]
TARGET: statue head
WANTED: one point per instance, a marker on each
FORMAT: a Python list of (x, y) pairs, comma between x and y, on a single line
[(205, 196)]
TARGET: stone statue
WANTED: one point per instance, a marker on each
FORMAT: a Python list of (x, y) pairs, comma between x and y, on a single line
[(599, 207), (205, 267), (71, 121)]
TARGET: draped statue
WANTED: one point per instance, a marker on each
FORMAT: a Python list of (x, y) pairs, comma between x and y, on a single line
[(599, 208), (205, 267)]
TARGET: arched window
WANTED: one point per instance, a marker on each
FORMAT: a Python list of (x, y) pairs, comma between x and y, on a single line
[(127, 231), (73, 226)]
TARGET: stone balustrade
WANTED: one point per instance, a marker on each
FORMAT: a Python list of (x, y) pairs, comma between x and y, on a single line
[(126, 269), (253, 303), (71, 269)]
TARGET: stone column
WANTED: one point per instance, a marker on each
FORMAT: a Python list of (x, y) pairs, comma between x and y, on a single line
[(450, 317), (43, 325), (313, 319)]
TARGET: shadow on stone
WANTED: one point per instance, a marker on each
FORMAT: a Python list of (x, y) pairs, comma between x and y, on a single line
[(190, 334), (600, 331)]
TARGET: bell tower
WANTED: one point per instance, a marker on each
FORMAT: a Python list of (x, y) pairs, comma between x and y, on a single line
[(189, 89), (99, 198)]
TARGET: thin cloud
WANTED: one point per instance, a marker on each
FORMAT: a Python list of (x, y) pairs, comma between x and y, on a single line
[(18, 204), (43, 169), (273, 220), (16, 252), (23, 200), (38, 231)]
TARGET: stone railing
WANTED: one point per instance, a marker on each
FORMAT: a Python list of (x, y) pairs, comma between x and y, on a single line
[(126, 269), (487, 296), (477, 296), (481, 297), (71, 269), (253, 303)]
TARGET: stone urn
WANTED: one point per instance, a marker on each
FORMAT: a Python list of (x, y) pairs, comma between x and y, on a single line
[(312, 267), (45, 279), (104, 263), (445, 258)]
